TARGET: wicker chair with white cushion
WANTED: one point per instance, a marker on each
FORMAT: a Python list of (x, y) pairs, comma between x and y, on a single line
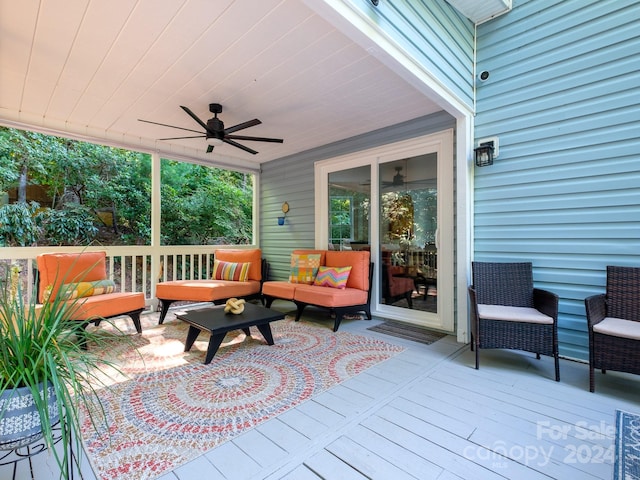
[(508, 312), (613, 320)]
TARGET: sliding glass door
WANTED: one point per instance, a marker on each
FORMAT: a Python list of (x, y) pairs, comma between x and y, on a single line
[(397, 202)]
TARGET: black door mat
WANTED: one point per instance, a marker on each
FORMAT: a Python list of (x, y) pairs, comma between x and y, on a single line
[(408, 332)]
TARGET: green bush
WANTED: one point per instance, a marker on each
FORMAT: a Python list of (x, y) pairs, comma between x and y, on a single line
[(19, 224), (72, 226)]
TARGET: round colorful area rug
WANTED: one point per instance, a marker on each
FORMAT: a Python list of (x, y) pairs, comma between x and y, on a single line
[(173, 408)]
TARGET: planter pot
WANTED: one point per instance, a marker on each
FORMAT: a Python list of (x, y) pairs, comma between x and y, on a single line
[(19, 419)]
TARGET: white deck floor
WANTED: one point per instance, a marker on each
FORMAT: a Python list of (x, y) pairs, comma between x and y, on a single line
[(428, 414)]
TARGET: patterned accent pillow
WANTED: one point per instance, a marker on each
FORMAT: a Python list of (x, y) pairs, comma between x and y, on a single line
[(304, 267), (237, 272), (69, 291), (334, 277)]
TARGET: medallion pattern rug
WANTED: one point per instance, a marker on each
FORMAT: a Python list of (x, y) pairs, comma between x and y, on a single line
[(170, 408), (627, 462)]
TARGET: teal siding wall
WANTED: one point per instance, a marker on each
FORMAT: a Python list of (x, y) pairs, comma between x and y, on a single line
[(563, 97), (291, 179), (435, 34)]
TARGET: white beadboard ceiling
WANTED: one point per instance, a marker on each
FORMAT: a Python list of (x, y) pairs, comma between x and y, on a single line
[(92, 68)]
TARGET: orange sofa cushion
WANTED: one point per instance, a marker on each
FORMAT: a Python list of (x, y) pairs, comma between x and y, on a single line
[(58, 268), (359, 262), (106, 305), (205, 290), (330, 297), (242, 256), (279, 289)]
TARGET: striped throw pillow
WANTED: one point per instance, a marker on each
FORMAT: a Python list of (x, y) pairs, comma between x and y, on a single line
[(69, 291), (304, 267), (334, 277), (237, 272)]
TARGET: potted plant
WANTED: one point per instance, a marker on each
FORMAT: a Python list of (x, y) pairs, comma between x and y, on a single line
[(41, 358)]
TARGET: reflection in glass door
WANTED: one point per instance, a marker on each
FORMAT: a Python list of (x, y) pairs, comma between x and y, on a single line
[(349, 206), (408, 205)]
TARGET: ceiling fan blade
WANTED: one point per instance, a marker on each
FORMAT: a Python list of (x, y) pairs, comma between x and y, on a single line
[(171, 126), (180, 138), (242, 147), (254, 139), (195, 117), (210, 149), (240, 126)]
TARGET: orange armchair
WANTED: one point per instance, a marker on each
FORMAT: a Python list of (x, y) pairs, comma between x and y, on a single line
[(86, 273)]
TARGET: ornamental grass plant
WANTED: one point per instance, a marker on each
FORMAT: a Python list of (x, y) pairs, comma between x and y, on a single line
[(40, 350)]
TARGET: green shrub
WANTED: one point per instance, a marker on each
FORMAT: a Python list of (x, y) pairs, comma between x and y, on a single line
[(19, 224), (72, 226)]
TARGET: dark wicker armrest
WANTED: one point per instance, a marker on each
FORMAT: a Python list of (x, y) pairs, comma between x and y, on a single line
[(546, 302), (473, 305), (596, 307)]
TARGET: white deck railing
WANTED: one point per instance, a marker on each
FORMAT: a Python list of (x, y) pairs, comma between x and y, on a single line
[(144, 266)]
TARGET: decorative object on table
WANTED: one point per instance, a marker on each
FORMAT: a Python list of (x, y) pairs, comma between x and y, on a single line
[(41, 358), (627, 446), (234, 305), (173, 408)]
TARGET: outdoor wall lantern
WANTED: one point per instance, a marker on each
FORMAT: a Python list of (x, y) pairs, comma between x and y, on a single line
[(486, 151), (285, 210)]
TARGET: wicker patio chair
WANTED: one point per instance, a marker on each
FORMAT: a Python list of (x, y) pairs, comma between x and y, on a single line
[(613, 320), (508, 312)]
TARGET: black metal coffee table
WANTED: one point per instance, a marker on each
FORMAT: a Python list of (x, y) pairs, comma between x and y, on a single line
[(218, 323)]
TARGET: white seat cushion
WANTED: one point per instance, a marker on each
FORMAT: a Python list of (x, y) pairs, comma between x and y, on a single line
[(618, 327), (513, 314)]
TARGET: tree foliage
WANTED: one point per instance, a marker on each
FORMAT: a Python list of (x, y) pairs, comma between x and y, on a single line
[(100, 193)]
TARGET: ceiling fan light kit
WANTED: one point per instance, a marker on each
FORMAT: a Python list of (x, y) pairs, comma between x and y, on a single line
[(215, 133)]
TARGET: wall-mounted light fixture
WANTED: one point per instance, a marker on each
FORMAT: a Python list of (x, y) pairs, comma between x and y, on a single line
[(486, 151), (285, 210)]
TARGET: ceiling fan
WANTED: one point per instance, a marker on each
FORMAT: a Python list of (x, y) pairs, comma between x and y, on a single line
[(215, 132), (397, 180)]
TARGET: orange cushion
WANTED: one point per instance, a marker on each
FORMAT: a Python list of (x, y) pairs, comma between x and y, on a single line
[(54, 269), (107, 305), (330, 297), (254, 256), (359, 262), (205, 290), (279, 289)]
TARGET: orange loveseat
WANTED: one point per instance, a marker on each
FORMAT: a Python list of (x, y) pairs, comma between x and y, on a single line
[(354, 298), (82, 277), (216, 290)]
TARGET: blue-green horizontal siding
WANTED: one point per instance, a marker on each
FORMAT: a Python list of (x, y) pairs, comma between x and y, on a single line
[(435, 35), (564, 99)]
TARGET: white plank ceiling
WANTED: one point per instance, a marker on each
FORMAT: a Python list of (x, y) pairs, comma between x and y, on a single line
[(92, 68)]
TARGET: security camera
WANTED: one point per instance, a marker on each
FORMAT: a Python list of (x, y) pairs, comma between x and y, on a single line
[(483, 76)]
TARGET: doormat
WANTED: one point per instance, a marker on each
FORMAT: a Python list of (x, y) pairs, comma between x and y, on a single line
[(408, 332), (627, 462)]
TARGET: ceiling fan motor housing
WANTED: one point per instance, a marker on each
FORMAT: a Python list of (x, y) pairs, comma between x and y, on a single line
[(215, 126)]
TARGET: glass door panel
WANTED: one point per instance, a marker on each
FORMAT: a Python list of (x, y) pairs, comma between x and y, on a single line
[(408, 224), (349, 207)]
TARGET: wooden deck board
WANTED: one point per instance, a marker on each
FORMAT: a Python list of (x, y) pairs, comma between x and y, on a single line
[(413, 464), (328, 466), (427, 413), (371, 465)]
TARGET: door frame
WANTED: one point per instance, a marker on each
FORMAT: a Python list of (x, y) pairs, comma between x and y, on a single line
[(440, 143)]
